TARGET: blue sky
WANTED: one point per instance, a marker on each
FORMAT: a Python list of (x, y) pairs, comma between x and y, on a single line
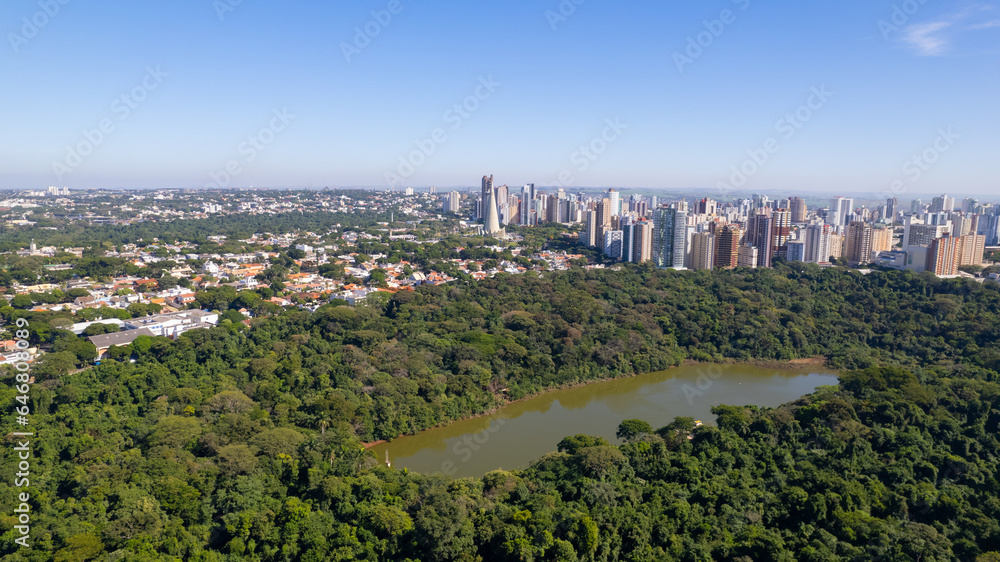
[(205, 80)]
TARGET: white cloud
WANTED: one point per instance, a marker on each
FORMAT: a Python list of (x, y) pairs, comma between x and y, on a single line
[(927, 38), (933, 38), (986, 25)]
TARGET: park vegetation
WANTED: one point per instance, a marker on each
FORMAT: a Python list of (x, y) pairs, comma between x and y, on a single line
[(245, 443)]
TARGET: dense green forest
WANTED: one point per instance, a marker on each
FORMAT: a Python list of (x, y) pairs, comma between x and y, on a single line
[(244, 443)]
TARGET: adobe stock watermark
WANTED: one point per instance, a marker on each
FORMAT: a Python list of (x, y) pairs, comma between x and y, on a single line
[(588, 153), (30, 27), (251, 148), (786, 128), (901, 14), (121, 107), (917, 165), (363, 36), (470, 444), (223, 7), (455, 117), (563, 11), (696, 44), (22, 411), (702, 383)]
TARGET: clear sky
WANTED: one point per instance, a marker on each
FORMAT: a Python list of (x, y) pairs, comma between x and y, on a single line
[(538, 81)]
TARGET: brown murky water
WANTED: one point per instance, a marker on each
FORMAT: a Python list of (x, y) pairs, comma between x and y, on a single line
[(523, 431)]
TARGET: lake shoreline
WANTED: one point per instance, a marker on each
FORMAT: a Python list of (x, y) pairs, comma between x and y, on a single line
[(817, 361)]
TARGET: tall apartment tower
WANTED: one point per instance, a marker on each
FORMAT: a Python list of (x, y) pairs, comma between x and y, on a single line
[(452, 201), (681, 241), (857, 249), (942, 204), (604, 213), (589, 233), (748, 256), (797, 207), (781, 229), (627, 226), (663, 236), (670, 237), (702, 250), (527, 205), (642, 249), (727, 247), (891, 206), (944, 255), (844, 207), (971, 249), (818, 239), (615, 199), (484, 195), (613, 244), (864, 241), (760, 236)]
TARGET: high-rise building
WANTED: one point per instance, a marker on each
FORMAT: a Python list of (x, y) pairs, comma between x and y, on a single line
[(942, 204), (943, 255), (857, 250), (836, 246), (627, 226), (528, 217), (682, 241), (589, 233), (748, 256), (919, 234), (796, 251), (844, 207), (891, 205), (552, 208), (707, 207), (727, 247), (818, 236), (702, 250), (670, 246), (484, 196), (797, 207), (510, 212), (781, 228), (760, 236), (604, 213), (613, 244), (961, 224), (969, 205), (989, 227), (452, 202), (864, 242), (642, 249), (881, 241), (615, 199), (664, 220), (971, 249)]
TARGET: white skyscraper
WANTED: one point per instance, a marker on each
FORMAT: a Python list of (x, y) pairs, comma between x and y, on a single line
[(844, 207), (528, 213), (817, 243)]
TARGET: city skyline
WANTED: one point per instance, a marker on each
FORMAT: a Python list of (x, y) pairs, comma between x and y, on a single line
[(703, 97)]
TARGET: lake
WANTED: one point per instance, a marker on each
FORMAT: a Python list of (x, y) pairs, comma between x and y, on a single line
[(523, 431)]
